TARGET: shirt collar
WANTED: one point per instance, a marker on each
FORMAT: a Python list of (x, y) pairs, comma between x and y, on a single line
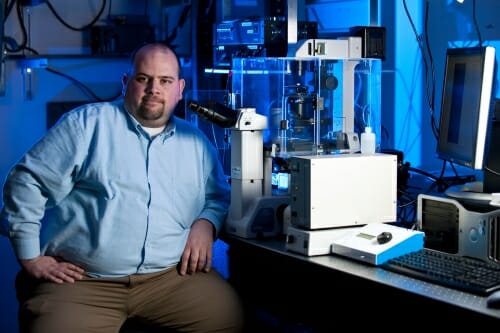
[(167, 132)]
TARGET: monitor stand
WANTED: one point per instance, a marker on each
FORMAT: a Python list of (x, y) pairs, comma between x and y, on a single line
[(472, 193)]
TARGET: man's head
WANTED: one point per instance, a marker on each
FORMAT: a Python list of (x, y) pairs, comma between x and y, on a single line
[(153, 87)]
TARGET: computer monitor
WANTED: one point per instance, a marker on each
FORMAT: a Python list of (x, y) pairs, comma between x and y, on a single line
[(465, 117)]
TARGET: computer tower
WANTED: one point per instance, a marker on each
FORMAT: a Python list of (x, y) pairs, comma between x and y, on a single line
[(462, 228)]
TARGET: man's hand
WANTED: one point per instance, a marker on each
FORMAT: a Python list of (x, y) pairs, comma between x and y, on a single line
[(197, 255), (52, 269)]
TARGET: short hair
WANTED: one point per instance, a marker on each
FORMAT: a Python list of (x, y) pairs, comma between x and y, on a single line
[(164, 46)]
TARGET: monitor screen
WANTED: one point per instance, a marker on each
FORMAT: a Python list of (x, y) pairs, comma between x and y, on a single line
[(465, 106)]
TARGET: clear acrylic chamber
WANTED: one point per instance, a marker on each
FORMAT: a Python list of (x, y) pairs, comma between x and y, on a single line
[(313, 105)]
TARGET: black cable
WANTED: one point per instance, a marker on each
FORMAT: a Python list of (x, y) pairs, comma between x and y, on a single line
[(180, 23), (83, 86), (425, 173), (432, 103), (496, 173), (8, 9), (476, 25), (429, 84), (443, 168), (86, 26), (24, 33)]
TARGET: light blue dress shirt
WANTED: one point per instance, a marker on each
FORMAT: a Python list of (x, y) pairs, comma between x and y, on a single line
[(98, 191)]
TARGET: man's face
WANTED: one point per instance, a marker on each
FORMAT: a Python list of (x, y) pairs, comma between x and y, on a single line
[(153, 90)]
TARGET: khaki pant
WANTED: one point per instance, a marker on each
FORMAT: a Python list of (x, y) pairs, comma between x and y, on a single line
[(202, 302)]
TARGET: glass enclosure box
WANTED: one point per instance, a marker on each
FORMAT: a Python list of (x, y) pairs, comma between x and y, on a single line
[(313, 105)]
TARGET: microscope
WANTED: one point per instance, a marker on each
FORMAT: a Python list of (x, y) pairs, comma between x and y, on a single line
[(291, 114), (254, 212)]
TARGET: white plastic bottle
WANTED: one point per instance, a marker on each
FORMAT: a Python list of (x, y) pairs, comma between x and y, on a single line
[(368, 141)]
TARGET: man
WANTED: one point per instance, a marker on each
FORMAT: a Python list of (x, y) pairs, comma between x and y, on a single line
[(113, 214)]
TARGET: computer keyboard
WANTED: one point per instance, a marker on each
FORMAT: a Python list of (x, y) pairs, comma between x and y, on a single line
[(453, 271)]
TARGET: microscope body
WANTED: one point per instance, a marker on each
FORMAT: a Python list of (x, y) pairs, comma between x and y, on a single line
[(315, 103)]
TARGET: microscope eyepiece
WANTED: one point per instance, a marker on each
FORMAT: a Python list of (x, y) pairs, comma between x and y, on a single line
[(216, 113)]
